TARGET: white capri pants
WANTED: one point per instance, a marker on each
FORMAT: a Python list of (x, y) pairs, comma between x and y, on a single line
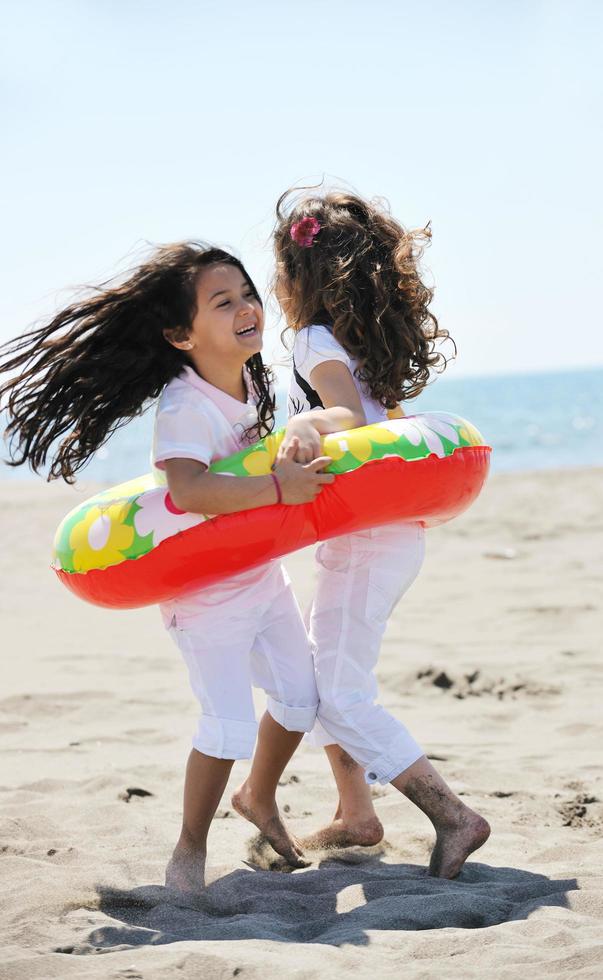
[(361, 577), (251, 637)]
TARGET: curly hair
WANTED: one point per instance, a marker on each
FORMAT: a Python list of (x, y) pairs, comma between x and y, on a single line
[(360, 277), (100, 361)]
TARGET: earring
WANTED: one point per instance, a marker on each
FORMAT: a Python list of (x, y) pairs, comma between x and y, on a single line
[(188, 346)]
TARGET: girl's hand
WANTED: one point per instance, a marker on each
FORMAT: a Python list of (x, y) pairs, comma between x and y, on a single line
[(304, 433), (300, 484)]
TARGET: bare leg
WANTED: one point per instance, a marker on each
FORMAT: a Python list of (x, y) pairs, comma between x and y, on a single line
[(204, 784), (256, 798), (459, 830), (355, 821)]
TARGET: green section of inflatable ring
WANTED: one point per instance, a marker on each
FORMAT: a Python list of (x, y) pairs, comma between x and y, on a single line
[(349, 451)]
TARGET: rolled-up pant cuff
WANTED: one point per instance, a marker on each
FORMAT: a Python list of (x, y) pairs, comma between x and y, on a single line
[(292, 719), (223, 738), (387, 767), (382, 769)]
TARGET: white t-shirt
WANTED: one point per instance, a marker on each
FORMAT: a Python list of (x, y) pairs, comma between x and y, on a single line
[(313, 345), (195, 420)]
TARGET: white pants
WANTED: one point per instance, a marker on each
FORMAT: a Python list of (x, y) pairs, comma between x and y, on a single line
[(254, 637), (361, 577)]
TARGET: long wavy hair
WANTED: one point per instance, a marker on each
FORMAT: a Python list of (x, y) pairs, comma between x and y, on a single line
[(101, 360), (360, 276)]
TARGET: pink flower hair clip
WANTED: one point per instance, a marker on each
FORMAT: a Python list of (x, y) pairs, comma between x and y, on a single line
[(305, 231)]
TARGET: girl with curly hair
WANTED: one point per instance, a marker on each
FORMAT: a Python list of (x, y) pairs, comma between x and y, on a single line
[(348, 283), (186, 327)]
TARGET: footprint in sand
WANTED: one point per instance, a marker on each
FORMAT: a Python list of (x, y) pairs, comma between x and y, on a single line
[(477, 684)]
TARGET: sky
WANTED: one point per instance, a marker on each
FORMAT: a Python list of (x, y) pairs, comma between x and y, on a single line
[(129, 122)]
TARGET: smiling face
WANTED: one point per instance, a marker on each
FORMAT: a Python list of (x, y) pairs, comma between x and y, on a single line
[(229, 321)]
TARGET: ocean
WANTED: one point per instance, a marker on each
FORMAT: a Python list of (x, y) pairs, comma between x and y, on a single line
[(532, 421)]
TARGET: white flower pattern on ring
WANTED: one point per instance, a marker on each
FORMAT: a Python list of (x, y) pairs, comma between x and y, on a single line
[(155, 517), (418, 429), (444, 428)]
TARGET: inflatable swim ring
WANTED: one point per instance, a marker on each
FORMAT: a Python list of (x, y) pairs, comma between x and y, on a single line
[(129, 546)]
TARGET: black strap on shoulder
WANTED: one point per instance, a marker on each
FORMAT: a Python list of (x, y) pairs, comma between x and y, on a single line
[(312, 396)]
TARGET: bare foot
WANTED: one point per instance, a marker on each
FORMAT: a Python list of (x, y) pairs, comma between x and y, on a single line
[(455, 841), (266, 817), (459, 830), (339, 833), (185, 873)]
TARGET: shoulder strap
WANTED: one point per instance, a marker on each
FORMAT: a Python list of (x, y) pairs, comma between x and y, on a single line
[(312, 395)]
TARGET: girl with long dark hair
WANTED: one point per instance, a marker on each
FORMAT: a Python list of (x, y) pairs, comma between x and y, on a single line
[(186, 327)]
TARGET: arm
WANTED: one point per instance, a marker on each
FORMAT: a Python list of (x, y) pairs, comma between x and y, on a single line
[(193, 488), (338, 393), (343, 410), (396, 413)]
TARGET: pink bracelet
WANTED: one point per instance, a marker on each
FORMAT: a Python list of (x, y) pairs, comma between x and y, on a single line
[(279, 494)]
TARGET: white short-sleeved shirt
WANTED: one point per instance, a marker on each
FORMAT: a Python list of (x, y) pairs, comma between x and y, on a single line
[(313, 345), (196, 420)]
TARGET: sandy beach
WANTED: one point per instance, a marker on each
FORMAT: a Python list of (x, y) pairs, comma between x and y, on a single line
[(493, 660)]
